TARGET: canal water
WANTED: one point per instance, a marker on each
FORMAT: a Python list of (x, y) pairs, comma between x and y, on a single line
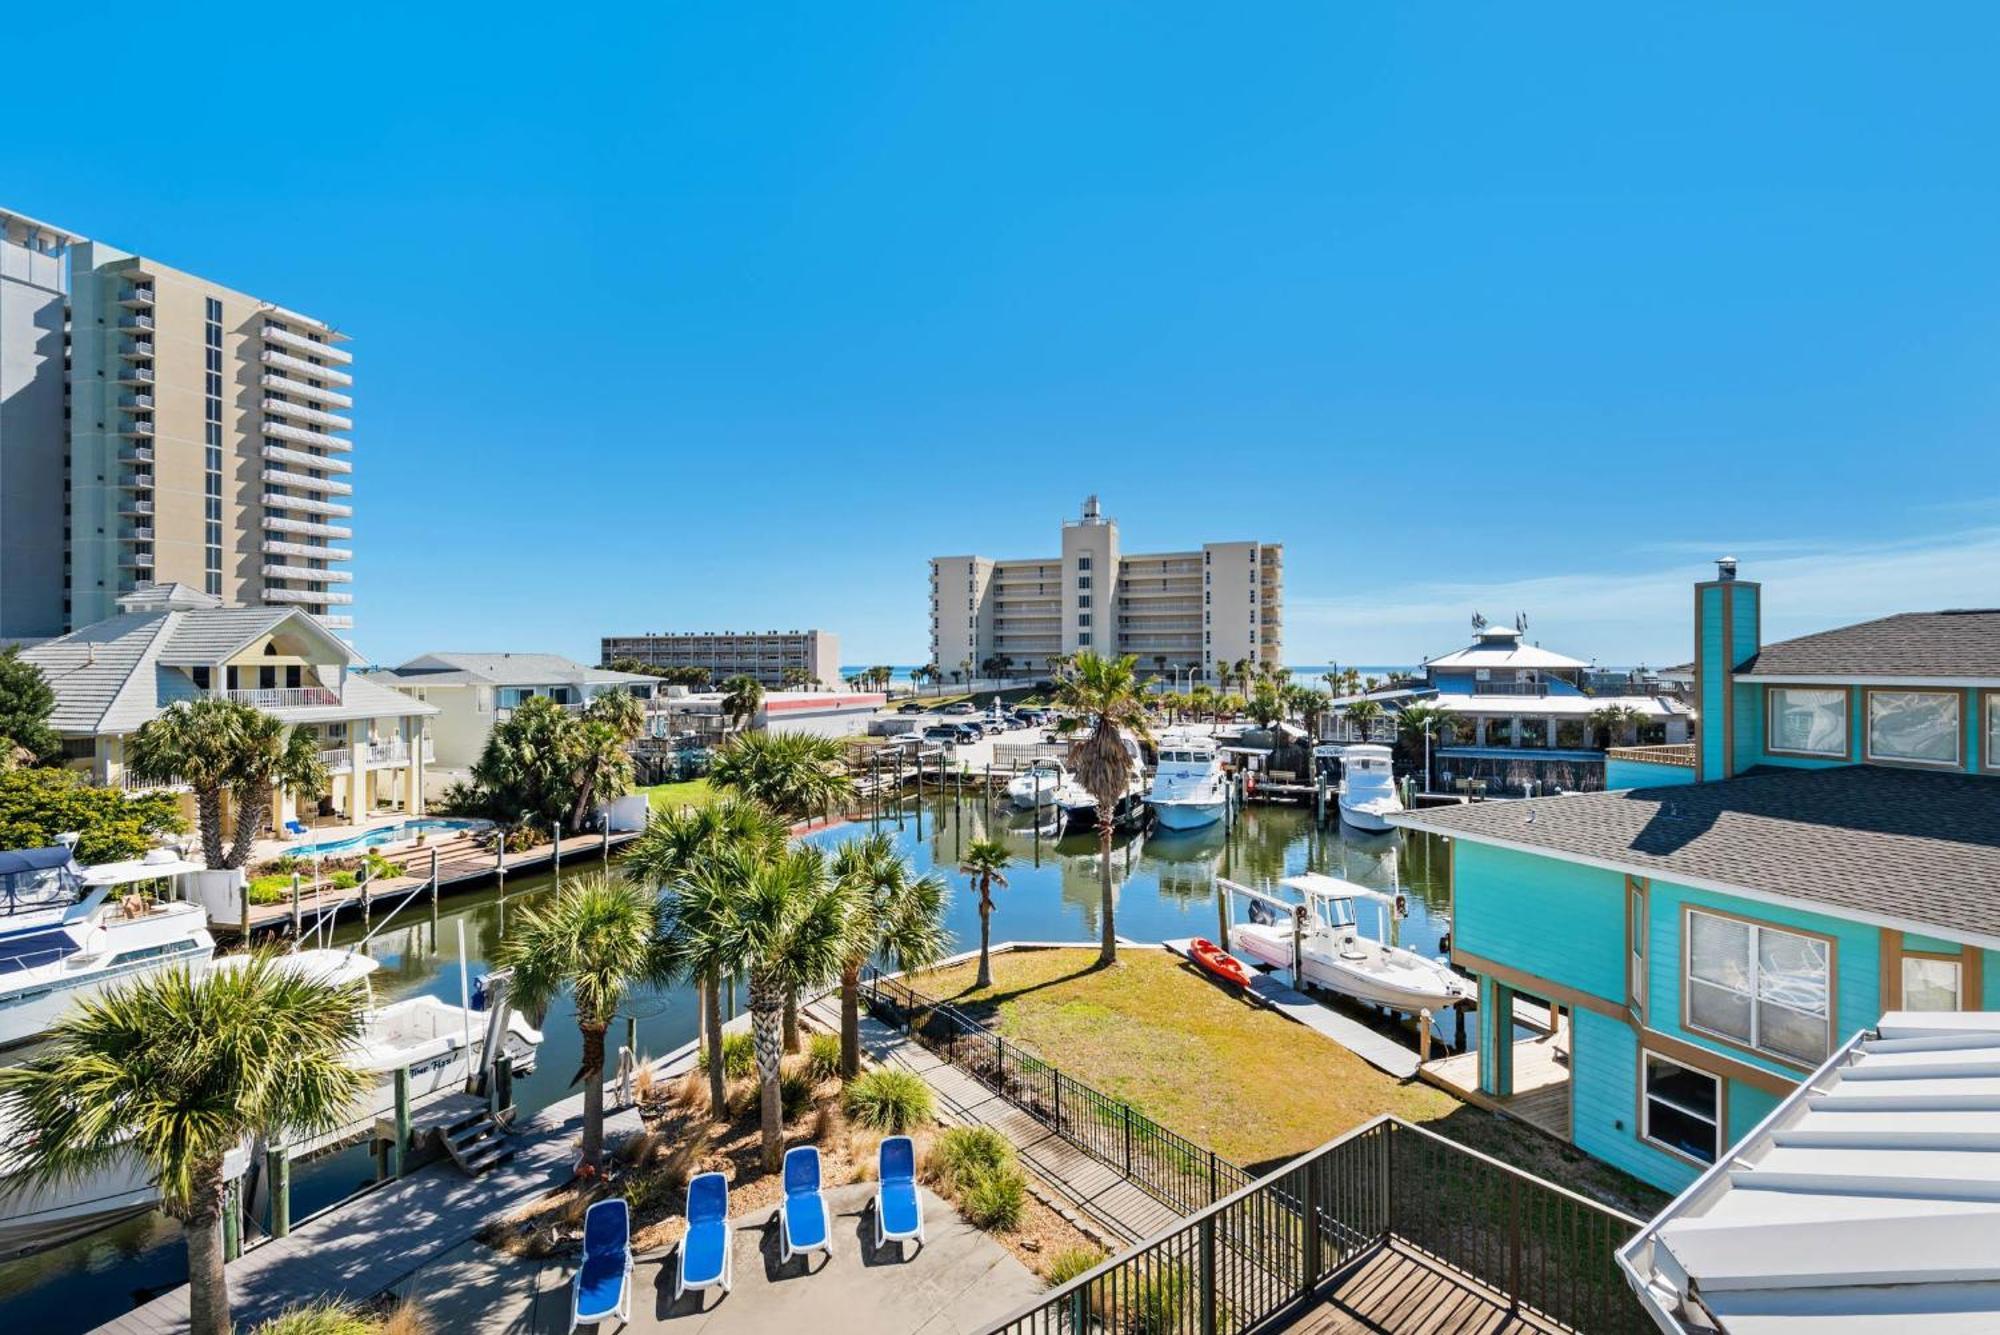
[(1164, 886)]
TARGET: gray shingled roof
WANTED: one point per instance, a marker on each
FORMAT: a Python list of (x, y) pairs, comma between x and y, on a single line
[(211, 636), (1909, 845), (1950, 644)]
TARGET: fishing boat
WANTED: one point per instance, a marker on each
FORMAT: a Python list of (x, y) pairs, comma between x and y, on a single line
[(1368, 787), (1323, 925), (1038, 786), (1076, 806), (1190, 789), (67, 931)]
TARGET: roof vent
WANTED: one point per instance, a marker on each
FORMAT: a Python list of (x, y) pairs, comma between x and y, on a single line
[(1725, 569)]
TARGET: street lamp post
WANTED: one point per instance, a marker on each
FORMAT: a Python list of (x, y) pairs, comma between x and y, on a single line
[(1427, 756)]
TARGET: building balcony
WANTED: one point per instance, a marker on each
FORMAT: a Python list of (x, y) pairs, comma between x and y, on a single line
[(272, 357), (300, 412), (310, 598), (279, 477), (139, 294), (277, 333), (308, 574), (136, 349), (279, 454), (306, 505), (299, 388), (142, 323), (338, 760), (288, 697), (1524, 688), (135, 481), (131, 783), (138, 560), (136, 454), (306, 551), (337, 623), (300, 435), (395, 751), (136, 505), (138, 426), (305, 527), (136, 375), (136, 403), (138, 533)]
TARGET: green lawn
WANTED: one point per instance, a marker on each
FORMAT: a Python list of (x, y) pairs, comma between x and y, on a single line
[(1248, 1083), (674, 796)]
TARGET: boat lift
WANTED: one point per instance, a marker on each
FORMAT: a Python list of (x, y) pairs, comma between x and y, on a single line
[(1314, 889)]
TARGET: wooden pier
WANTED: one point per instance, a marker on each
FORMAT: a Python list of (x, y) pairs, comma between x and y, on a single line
[(1378, 1050)]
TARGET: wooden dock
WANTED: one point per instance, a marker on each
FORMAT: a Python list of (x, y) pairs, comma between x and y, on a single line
[(1541, 1082), (1378, 1050)]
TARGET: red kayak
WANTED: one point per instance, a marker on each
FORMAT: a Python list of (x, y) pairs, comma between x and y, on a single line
[(1213, 958)]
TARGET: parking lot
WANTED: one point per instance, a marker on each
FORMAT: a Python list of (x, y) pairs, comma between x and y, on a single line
[(972, 754)]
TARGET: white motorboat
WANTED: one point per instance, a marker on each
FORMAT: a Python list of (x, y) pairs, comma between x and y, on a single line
[(1368, 787), (1038, 786), (1190, 789), (64, 936), (1076, 806), (1337, 955)]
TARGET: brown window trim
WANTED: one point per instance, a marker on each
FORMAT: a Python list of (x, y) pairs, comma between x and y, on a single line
[(1868, 694), (1723, 1140), (1846, 733), (1636, 934), (1988, 762), (1832, 984)]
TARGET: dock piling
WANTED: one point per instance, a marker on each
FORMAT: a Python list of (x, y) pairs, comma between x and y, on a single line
[(232, 1219), (278, 1165), (402, 1140), (556, 857), (297, 925)]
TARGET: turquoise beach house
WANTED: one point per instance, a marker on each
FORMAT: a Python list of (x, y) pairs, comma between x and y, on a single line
[(1692, 945)]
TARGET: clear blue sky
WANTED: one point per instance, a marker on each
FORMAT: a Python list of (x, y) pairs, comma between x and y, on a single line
[(723, 315)]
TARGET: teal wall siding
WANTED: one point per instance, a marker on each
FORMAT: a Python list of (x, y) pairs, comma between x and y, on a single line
[(1605, 1067), (1936, 945), (1644, 774), (1748, 1105), (1857, 967), (1554, 919), (1714, 671)]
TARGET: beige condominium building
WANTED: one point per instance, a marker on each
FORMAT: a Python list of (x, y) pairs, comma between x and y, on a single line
[(205, 442), (1204, 609), (776, 658)]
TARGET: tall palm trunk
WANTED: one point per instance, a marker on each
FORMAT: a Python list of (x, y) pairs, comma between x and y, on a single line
[(253, 804), (208, 815), (850, 1019), (711, 1018), (593, 1091), (985, 978), (208, 1286), (767, 1010), (791, 1019), (1107, 950)]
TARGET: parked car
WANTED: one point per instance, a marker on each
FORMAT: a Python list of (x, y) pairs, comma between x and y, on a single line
[(992, 726), (962, 707), (912, 708), (969, 732), (943, 734)]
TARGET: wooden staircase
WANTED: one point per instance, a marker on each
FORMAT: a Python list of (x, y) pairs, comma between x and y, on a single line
[(476, 1142)]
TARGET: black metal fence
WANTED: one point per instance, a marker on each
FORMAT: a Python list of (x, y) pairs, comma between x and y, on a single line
[(1170, 1168), (1268, 1249)]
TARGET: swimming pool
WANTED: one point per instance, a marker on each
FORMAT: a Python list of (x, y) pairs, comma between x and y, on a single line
[(399, 833)]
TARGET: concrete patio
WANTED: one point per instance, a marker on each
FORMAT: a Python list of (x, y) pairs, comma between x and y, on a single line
[(960, 1282)]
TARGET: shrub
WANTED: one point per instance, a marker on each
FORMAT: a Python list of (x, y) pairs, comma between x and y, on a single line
[(823, 1056), (964, 1153), (343, 880), (406, 1318), (739, 1056), (324, 1317), (995, 1199), (1155, 1306), (892, 1101), (379, 866), (795, 1090), (1071, 1262), (273, 889)]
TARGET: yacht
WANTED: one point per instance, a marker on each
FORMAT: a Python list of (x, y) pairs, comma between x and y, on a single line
[(1190, 789), (1338, 956), (1076, 806), (67, 932), (1038, 786), (1368, 787)]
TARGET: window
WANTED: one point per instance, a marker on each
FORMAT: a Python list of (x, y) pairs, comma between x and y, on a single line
[(1991, 750), (1083, 581), (1921, 727), (1635, 931), (1084, 639), (1808, 722), (1759, 986), (1083, 563), (1681, 1109), (1930, 983)]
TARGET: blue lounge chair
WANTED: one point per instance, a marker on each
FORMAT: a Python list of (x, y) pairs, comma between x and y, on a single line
[(603, 1287), (706, 1259), (295, 829), (899, 1213), (803, 1220)]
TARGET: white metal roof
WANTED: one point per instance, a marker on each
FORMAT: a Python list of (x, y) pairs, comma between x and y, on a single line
[(1500, 646), (1868, 1200)]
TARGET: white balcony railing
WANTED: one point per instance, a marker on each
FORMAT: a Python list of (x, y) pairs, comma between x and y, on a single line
[(136, 375), (141, 427), (307, 574), (339, 760), (304, 414), (136, 349), (396, 751), (331, 463), (305, 527), (309, 597), (305, 482), (306, 550), (284, 431), (288, 697), (276, 333), (132, 783), (272, 357), (308, 505), (336, 623), (140, 322), (287, 385)]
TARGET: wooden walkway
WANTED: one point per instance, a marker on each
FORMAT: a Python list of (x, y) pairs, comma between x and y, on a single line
[(1541, 1082), (1101, 1192), (366, 1245), (1396, 1288), (1378, 1050)]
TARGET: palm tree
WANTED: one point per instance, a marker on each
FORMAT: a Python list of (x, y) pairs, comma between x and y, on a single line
[(965, 668), (1613, 720), (891, 913), (601, 767), (1267, 707), (621, 711), (986, 863), (1415, 721), (1361, 714), (1100, 699), (597, 939), (193, 742), (669, 856), (180, 1068), (789, 774), (741, 695), (787, 921), (269, 754)]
